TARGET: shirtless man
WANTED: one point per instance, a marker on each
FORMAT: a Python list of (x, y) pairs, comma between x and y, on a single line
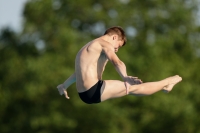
[(89, 66)]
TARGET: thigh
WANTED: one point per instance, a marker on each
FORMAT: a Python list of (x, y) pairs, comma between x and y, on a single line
[(112, 89)]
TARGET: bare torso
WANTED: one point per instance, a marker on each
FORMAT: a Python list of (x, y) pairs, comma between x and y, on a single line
[(89, 65)]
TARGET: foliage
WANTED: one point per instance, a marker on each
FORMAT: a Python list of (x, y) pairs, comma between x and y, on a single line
[(163, 40)]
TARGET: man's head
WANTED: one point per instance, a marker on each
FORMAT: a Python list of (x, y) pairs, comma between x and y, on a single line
[(116, 30), (117, 35)]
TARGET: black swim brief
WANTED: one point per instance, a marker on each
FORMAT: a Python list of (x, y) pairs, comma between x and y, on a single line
[(93, 95)]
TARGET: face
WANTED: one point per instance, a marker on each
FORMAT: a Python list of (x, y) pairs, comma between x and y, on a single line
[(117, 43)]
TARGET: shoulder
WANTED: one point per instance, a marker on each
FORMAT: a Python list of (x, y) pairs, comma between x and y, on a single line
[(94, 46), (106, 46), (101, 44)]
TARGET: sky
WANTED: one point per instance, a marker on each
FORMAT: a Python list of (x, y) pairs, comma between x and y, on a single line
[(11, 14)]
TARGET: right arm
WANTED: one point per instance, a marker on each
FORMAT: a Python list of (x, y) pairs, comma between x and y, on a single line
[(120, 67), (118, 64), (113, 58)]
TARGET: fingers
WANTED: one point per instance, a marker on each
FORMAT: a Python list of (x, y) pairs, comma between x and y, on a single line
[(133, 80), (62, 90), (138, 81), (135, 77), (66, 95)]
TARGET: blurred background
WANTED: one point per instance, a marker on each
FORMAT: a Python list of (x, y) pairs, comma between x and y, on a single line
[(38, 43)]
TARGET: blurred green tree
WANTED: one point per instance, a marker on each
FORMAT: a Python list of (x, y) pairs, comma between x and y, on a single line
[(163, 40)]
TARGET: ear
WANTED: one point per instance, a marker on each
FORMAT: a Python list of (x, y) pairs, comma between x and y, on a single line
[(114, 37)]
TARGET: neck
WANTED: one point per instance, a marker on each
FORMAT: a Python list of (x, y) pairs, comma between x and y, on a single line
[(105, 38)]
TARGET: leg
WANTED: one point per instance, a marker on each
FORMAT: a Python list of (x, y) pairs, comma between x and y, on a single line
[(115, 88), (112, 89)]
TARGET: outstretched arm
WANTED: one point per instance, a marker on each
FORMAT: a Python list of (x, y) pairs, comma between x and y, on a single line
[(62, 87)]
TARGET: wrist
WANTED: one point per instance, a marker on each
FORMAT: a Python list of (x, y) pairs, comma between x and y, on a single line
[(64, 86), (124, 78)]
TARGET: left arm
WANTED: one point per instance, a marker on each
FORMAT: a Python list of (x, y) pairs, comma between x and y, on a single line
[(69, 81)]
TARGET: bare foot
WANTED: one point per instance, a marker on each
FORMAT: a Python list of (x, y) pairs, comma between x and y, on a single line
[(174, 79), (171, 82)]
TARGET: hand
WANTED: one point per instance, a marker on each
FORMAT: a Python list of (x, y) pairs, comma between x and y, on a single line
[(136, 80), (129, 80), (132, 80), (62, 90)]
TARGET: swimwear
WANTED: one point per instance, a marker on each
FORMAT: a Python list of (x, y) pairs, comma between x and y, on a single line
[(93, 95)]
